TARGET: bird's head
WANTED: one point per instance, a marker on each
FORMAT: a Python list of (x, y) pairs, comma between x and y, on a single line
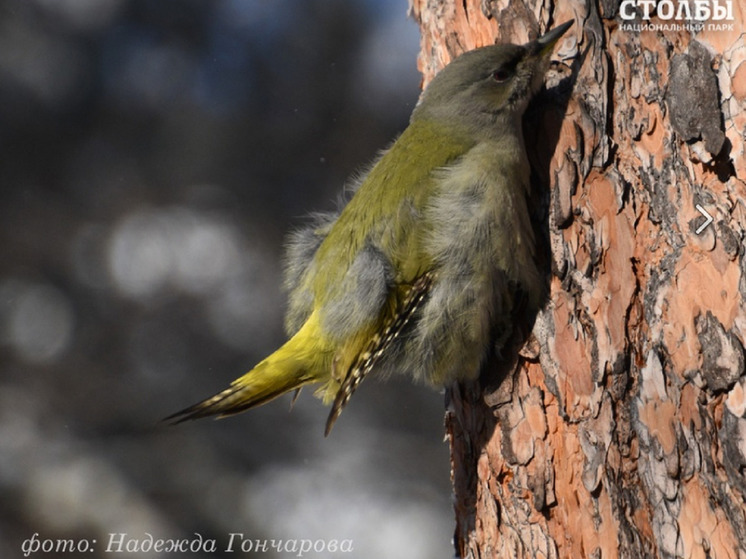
[(489, 85)]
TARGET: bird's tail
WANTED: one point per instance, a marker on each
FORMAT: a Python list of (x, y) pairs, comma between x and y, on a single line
[(279, 373)]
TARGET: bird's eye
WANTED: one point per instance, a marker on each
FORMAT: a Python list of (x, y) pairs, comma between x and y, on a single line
[(501, 74)]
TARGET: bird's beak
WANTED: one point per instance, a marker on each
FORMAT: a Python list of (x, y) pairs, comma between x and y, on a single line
[(544, 44)]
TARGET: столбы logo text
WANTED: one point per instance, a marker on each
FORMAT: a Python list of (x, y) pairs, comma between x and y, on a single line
[(685, 10)]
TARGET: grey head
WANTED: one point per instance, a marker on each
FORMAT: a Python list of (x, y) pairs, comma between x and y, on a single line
[(489, 85)]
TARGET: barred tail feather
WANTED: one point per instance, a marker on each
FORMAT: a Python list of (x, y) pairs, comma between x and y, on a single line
[(268, 380)]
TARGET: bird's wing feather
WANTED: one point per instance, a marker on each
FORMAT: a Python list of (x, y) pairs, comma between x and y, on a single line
[(377, 346)]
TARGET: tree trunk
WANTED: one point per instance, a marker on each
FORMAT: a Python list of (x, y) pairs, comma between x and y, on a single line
[(619, 430)]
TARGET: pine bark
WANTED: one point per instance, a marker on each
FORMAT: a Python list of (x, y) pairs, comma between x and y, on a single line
[(620, 428)]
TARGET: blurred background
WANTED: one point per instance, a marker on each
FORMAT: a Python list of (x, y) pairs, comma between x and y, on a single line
[(154, 155)]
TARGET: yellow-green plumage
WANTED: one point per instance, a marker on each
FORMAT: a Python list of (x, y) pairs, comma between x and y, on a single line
[(418, 272)]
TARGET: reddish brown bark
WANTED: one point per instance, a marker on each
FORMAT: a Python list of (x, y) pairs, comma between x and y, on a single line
[(620, 431)]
